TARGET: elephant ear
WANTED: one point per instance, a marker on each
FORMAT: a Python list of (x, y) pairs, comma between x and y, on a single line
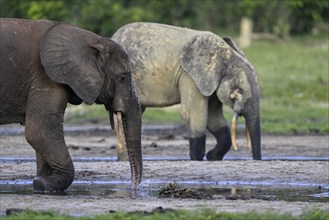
[(69, 57), (231, 43), (200, 60)]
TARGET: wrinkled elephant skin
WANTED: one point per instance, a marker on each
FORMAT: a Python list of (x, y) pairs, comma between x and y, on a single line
[(46, 65)]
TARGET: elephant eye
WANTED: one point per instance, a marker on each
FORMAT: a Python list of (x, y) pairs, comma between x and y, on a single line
[(122, 77)]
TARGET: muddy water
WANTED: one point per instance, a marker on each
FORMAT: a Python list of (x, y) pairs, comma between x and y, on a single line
[(229, 191)]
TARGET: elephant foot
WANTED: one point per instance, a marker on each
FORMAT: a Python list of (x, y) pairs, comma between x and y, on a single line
[(218, 152), (223, 137), (51, 183), (197, 148), (39, 184), (215, 155)]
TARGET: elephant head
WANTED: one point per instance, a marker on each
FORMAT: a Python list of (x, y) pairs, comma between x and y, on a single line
[(218, 66), (96, 70)]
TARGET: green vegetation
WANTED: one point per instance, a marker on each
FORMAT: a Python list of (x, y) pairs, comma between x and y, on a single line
[(179, 215), (162, 115), (294, 85), (104, 17)]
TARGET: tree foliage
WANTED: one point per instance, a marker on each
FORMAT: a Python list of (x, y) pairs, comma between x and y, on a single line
[(281, 17)]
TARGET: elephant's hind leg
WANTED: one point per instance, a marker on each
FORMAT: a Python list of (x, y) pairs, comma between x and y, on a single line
[(44, 132), (218, 126)]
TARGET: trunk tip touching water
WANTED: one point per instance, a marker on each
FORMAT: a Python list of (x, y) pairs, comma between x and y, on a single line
[(128, 129), (136, 166)]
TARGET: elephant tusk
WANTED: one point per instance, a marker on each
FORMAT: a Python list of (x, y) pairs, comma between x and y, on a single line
[(121, 145), (115, 120), (248, 138), (233, 131)]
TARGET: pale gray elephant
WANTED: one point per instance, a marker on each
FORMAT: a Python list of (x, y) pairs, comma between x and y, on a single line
[(200, 70), (46, 65)]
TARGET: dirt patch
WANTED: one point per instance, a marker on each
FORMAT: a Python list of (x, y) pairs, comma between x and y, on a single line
[(101, 183)]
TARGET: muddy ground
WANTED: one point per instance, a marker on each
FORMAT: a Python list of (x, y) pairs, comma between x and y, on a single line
[(236, 184)]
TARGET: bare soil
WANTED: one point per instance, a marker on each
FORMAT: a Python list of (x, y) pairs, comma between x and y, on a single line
[(290, 162)]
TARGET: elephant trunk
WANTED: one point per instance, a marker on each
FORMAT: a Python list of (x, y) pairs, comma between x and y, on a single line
[(253, 126), (251, 114), (131, 123)]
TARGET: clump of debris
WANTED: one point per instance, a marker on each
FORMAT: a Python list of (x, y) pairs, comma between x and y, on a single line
[(173, 190)]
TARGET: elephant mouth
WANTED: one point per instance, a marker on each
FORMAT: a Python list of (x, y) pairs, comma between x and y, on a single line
[(233, 132)]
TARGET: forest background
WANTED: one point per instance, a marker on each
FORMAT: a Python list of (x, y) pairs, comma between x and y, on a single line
[(104, 17), (289, 48)]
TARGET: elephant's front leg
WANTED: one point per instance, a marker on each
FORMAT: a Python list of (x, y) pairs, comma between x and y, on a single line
[(218, 126), (43, 168), (194, 110), (44, 132)]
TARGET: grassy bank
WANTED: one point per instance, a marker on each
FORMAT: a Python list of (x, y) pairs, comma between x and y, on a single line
[(294, 85), (178, 215), (293, 77)]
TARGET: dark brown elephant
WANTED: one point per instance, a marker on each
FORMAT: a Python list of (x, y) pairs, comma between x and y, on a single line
[(199, 70), (44, 66)]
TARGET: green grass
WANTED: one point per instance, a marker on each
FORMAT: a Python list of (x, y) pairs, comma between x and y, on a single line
[(293, 77), (162, 115), (81, 114), (178, 215)]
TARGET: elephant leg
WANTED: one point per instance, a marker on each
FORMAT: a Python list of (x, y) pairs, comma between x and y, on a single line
[(194, 110), (197, 147), (218, 126), (44, 132), (43, 168)]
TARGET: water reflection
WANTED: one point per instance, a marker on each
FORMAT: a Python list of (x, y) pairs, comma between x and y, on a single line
[(120, 189)]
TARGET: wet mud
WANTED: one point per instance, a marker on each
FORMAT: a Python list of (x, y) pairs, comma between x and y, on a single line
[(292, 178)]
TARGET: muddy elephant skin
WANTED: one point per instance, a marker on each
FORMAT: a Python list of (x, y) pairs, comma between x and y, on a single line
[(44, 66), (199, 70)]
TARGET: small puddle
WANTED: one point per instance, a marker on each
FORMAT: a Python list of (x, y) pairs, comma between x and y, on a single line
[(120, 189)]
